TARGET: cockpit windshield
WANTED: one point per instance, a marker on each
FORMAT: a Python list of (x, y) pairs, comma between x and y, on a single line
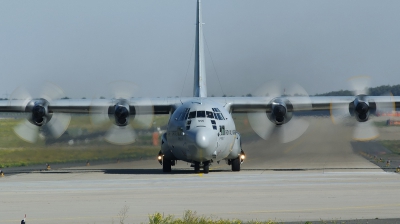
[(192, 114), (201, 113), (209, 114), (215, 114)]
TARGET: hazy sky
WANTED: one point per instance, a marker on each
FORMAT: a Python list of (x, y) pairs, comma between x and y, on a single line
[(82, 46)]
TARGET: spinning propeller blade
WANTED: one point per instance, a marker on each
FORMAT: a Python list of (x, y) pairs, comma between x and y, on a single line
[(28, 129), (364, 129), (282, 102), (124, 111), (120, 135)]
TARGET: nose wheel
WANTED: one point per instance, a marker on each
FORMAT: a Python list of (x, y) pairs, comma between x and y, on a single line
[(206, 167)]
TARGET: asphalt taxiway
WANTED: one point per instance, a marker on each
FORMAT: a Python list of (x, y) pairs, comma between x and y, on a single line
[(318, 176)]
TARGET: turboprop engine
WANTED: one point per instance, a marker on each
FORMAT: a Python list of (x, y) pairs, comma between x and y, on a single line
[(121, 112), (39, 113), (278, 116), (281, 111), (361, 108)]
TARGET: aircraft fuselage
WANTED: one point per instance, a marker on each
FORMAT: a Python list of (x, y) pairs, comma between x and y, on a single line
[(201, 131)]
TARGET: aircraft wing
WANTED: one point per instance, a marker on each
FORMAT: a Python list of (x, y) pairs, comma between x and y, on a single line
[(233, 104), (84, 106), (268, 115), (264, 113), (313, 103)]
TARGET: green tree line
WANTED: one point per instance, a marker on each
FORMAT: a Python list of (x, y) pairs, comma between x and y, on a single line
[(374, 91)]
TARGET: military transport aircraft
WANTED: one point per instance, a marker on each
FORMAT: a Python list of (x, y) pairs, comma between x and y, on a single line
[(200, 128)]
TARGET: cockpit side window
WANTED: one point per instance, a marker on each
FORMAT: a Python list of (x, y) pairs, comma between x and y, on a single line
[(181, 116), (201, 113), (217, 113), (184, 114), (192, 114), (209, 114)]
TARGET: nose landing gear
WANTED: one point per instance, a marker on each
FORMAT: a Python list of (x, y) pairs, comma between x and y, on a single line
[(205, 165)]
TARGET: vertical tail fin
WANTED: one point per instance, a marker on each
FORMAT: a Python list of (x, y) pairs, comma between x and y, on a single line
[(200, 85)]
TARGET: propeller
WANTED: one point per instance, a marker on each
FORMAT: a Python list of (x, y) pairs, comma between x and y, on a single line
[(278, 117), (361, 108), (124, 111), (39, 121)]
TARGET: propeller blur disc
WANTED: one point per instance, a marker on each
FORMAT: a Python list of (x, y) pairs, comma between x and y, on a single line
[(51, 92), (339, 112), (120, 135), (57, 124), (123, 89), (19, 98), (144, 113), (99, 111), (27, 131), (386, 105), (294, 128), (360, 84), (261, 124), (365, 131), (142, 116)]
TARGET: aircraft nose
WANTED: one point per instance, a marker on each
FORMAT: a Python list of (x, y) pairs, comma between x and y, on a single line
[(202, 138)]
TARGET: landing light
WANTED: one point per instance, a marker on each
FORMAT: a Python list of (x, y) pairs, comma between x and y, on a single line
[(159, 158), (242, 157)]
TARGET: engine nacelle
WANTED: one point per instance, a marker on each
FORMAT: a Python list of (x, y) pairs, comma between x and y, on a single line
[(39, 113), (121, 113), (281, 111), (361, 108)]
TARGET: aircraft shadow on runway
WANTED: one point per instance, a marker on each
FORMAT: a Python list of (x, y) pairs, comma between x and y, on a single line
[(153, 171)]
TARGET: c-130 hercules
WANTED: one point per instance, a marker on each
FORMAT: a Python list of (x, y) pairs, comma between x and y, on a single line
[(200, 129)]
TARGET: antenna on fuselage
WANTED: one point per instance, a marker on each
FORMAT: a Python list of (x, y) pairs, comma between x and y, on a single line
[(200, 86)]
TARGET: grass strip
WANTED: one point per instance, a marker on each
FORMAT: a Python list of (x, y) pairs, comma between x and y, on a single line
[(392, 145), (192, 218), (40, 155)]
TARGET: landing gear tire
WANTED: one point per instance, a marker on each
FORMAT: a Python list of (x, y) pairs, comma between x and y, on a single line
[(196, 167), (235, 164), (166, 166), (206, 167)]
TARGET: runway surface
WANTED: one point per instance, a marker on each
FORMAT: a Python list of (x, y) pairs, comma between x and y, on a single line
[(315, 177)]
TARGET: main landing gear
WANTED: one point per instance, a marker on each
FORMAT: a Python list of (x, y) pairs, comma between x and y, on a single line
[(166, 163), (235, 163)]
